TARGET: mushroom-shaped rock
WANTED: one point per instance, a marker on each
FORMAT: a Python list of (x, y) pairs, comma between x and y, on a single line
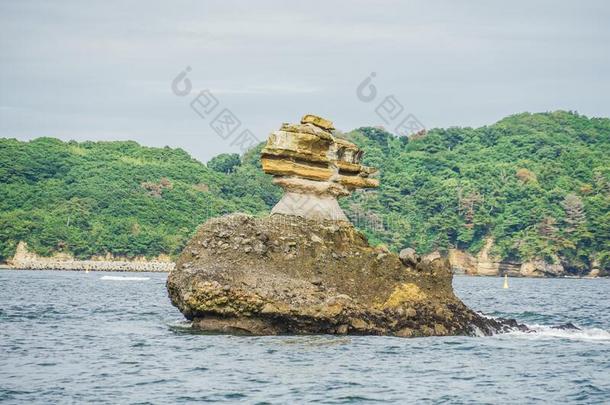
[(314, 168), (306, 269)]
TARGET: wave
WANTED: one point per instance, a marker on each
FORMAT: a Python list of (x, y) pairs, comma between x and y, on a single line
[(181, 326), (124, 278), (545, 332)]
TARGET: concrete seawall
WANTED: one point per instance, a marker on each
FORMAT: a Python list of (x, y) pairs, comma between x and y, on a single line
[(25, 260), (94, 265)]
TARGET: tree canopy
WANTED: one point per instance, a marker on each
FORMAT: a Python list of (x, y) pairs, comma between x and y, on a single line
[(92, 198), (538, 184)]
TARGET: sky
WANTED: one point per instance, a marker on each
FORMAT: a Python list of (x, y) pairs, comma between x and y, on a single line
[(110, 70)]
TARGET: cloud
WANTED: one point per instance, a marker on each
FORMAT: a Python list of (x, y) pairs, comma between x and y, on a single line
[(103, 69), (269, 89)]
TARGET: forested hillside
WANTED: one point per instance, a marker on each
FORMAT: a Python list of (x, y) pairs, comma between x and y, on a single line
[(119, 197), (539, 184)]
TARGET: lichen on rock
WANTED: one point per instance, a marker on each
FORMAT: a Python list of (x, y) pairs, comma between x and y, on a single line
[(404, 293)]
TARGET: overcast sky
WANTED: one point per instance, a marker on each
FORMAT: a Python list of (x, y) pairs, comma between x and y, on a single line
[(103, 70)]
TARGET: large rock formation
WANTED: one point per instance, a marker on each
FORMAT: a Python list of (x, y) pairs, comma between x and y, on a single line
[(286, 274), (308, 270)]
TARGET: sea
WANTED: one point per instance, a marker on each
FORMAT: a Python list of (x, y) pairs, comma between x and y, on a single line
[(114, 338)]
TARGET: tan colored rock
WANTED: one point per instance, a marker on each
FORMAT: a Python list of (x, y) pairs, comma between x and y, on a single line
[(405, 332), (318, 121), (483, 264), (594, 273), (353, 182), (341, 329), (487, 264), (307, 129), (404, 293), (541, 268), (314, 168), (462, 262), (597, 270), (290, 168), (359, 324), (306, 186)]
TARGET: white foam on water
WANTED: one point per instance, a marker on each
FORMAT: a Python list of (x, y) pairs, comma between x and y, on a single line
[(476, 331), (548, 332), (181, 324), (124, 278)]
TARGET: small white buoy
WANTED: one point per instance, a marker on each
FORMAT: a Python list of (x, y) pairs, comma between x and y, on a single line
[(505, 281)]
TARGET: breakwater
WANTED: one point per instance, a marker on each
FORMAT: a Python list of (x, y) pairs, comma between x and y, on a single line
[(25, 260)]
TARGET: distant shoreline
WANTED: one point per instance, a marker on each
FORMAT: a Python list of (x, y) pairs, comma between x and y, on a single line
[(105, 269), (26, 260), (92, 265), (112, 267), (110, 270)]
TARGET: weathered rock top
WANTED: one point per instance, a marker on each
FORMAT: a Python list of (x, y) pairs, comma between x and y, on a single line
[(314, 167), (318, 121)]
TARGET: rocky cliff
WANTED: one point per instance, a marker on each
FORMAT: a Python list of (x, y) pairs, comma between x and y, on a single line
[(305, 268), (486, 264)]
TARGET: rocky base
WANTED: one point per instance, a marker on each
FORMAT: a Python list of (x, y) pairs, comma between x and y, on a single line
[(288, 275)]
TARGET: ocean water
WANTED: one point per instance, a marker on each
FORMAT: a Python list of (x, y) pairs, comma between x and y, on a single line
[(114, 338)]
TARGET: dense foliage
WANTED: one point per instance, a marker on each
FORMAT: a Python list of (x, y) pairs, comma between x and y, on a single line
[(539, 184), (97, 197)]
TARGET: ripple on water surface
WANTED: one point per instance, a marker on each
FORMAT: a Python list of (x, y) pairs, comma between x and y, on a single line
[(115, 338)]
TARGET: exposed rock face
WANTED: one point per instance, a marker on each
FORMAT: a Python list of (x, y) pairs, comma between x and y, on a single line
[(597, 270), (483, 264), (486, 264), (314, 168), (542, 268), (462, 262), (286, 274)]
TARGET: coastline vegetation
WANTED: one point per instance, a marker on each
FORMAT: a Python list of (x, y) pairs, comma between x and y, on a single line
[(538, 184)]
